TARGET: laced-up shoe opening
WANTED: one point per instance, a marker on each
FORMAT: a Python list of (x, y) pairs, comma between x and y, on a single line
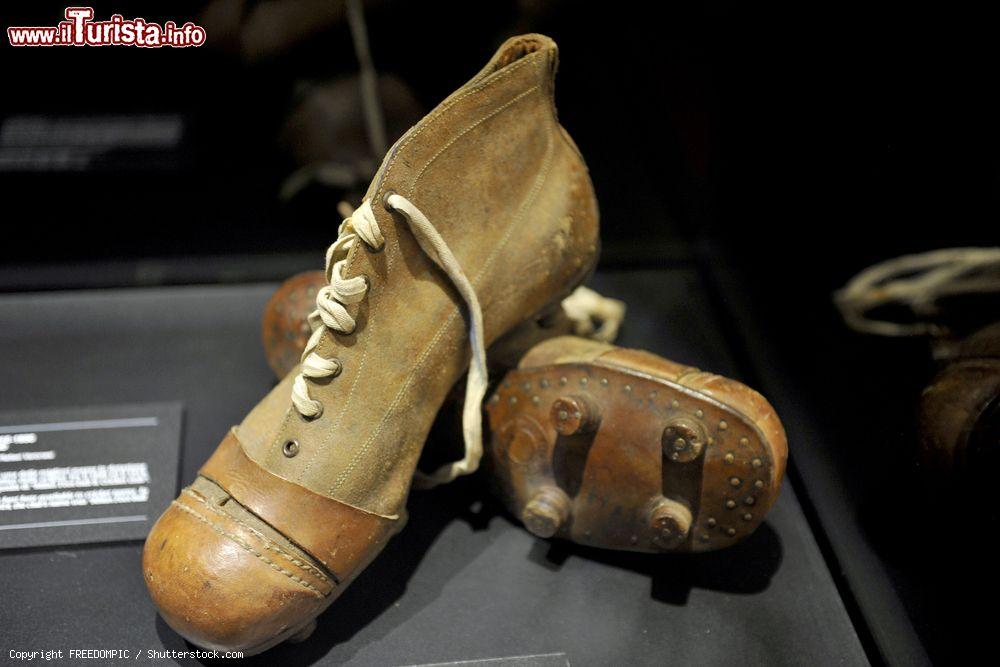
[(520, 48)]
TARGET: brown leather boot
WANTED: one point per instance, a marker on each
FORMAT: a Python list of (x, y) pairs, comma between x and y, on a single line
[(623, 449), (959, 413), (481, 217)]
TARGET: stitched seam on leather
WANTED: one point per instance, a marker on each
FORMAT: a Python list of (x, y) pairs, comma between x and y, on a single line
[(325, 442), (388, 517), (461, 134), (364, 353), (370, 330), (529, 59), (440, 332), (269, 544), (249, 549), (479, 87), (529, 201)]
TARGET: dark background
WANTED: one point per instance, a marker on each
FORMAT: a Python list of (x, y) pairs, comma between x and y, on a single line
[(779, 152)]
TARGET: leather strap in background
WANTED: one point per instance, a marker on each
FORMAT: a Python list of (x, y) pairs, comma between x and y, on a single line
[(341, 537)]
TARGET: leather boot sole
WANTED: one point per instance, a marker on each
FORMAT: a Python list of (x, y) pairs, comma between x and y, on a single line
[(633, 457)]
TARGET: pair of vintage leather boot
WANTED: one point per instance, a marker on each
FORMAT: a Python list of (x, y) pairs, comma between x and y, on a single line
[(479, 223)]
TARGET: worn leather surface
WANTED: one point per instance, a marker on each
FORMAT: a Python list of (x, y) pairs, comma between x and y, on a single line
[(728, 391), (642, 436), (282, 503), (492, 170), (508, 191), (221, 581), (285, 330), (954, 409)]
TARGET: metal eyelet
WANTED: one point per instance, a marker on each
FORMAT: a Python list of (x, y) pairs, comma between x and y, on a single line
[(385, 200), (290, 448)]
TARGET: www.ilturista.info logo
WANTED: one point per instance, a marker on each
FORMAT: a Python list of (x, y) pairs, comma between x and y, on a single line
[(79, 29)]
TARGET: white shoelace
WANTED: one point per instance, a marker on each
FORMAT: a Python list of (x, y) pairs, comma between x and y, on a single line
[(594, 316), (331, 314), (917, 282)]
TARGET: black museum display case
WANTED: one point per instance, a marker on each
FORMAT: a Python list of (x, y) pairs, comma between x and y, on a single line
[(745, 167)]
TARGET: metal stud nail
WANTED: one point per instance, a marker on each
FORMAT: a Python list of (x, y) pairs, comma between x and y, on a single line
[(575, 414), (669, 522), (683, 439)]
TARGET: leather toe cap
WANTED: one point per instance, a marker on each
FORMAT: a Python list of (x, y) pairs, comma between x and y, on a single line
[(223, 583)]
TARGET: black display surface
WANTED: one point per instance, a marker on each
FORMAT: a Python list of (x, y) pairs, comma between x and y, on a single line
[(463, 581), (96, 474)]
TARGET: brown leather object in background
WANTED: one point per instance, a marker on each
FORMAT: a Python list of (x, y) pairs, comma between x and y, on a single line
[(959, 412), (285, 327), (622, 449)]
